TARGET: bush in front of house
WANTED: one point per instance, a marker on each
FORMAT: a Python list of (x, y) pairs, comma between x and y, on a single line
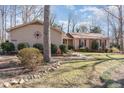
[(114, 50), (63, 48), (7, 47), (30, 58), (38, 46), (70, 47), (53, 49), (114, 45), (107, 50), (23, 45)]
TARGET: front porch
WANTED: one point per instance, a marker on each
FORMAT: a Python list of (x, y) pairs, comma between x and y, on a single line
[(91, 44)]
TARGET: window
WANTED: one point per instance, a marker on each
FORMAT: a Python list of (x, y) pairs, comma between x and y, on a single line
[(84, 42), (105, 42)]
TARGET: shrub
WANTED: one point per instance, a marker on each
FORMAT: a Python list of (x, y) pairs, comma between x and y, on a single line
[(114, 45), (114, 49), (70, 47), (30, 58), (107, 50), (23, 45), (63, 48), (7, 47), (38, 46), (53, 48)]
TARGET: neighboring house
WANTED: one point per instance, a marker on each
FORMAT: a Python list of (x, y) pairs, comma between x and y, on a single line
[(33, 33), (85, 40)]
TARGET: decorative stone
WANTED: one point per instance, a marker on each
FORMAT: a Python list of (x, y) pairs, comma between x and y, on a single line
[(38, 76), (26, 79), (31, 76), (44, 71), (21, 81), (35, 76), (52, 68), (7, 84), (41, 74), (58, 64), (49, 69), (14, 81)]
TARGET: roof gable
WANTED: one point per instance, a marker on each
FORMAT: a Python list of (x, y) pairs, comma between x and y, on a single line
[(87, 35), (36, 22)]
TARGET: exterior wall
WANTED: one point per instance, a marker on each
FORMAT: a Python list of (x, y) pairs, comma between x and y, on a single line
[(76, 43), (26, 34)]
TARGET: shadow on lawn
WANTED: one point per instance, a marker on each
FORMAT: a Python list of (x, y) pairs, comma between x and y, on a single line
[(111, 84), (92, 67), (96, 63)]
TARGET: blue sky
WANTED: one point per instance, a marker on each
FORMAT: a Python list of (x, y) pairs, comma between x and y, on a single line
[(85, 14), (62, 11)]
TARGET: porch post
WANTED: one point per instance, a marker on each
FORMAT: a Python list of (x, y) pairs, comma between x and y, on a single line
[(74, 43), (107, 43), (98, 43), (87, 43)]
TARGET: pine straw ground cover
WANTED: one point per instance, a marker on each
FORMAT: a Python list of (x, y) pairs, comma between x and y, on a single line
[(86, 73)]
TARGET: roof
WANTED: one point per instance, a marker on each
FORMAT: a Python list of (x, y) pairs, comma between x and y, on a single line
[(30, 23), (87, 35)]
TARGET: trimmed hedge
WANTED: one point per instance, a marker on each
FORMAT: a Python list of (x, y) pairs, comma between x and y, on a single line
[(53, 49), (23, 45), (7, 46), (63, 48), (30, 58), (38, 46), (114, 49)]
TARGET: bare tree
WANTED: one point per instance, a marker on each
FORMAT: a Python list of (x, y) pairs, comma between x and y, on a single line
[(46, 38), (52, 19), (3, 14), (83, 28), (74, 22), (69, 22), (108, 24), (119, 17)]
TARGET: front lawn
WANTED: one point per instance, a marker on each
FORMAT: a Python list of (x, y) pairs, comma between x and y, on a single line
[(84, 73)]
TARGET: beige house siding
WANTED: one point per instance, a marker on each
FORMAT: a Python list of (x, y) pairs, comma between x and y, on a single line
[(26, 34), (76, 43)]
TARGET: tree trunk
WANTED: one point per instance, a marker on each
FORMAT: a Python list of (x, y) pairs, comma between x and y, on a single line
[(46, 38), (121, 27)]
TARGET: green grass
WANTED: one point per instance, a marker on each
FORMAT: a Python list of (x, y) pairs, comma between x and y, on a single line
[(78, 74)]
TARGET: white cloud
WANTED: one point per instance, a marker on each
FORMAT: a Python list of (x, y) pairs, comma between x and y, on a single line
[(71, 7), (97, 12)]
